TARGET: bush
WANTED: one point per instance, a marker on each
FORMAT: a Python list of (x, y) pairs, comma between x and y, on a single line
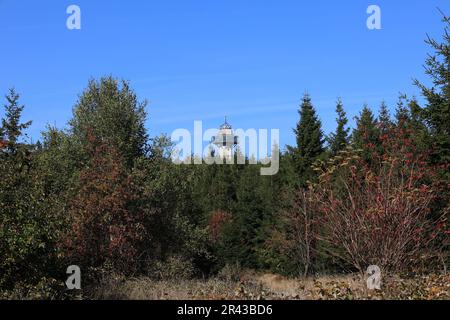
[(379, 213), (104, 229), (230, 273), (174, 268)]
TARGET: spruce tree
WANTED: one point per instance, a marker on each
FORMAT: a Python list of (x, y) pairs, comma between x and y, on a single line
[(244, 238), (366, 128), (366, 134), (436, 113), (384, 119), (339, 139), (417, 124), (402, 112), (26, 230), (309, 138), (11, 128)]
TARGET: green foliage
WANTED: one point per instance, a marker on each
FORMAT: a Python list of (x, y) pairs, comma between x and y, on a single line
[(366, 134), (110, 110), (309, 138), (103, 227), (339, 140), (27, 230), (436, 113), (384, 119), (244, 237), (104, 195), (11, 129)]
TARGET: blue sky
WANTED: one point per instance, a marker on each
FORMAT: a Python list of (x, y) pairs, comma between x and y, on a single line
[(200, 60)]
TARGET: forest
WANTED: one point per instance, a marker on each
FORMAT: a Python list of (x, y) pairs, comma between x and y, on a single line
[(104, 195)]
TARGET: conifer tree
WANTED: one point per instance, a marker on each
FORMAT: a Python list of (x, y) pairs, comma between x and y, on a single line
[(402, 112), (384, 119), (309, 138), (437, 110), (365, 135), (339, 139), (26, 232), (244, 238), (11, 128)]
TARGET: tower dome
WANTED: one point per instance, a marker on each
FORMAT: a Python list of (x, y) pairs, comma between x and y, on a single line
[(225, 125), (225, 140)]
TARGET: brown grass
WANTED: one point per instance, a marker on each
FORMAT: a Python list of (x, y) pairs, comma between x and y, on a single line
[(253, 286)]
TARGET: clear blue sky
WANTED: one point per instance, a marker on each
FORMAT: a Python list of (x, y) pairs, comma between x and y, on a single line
[(200, 60)]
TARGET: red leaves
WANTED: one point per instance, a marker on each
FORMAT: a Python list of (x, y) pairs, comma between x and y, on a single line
[(378, 210), (217, 220), (104, 228), (3, 144)]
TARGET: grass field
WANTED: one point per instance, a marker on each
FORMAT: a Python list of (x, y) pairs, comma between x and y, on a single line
[(257, 286)]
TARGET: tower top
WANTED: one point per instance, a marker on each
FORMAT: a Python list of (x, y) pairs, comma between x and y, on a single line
[(225, 125)]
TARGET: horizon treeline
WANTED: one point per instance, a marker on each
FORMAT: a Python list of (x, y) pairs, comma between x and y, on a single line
[(103, 195)]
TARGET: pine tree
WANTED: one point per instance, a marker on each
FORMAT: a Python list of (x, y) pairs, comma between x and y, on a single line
[(26, 229), (416, 122), (245, 236), (437, 111), (366, 128), (309, 138), (11, 128), (402, 112), (384, 119), (338, 140)]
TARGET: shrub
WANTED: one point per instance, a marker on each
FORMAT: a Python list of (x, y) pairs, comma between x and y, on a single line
[(298, 239), (216, 222), (230, 272), (174, 268), (378, 214), (104, 229)]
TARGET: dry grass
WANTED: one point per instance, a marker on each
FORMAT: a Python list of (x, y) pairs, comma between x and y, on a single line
[(148, 289), (254, 286)]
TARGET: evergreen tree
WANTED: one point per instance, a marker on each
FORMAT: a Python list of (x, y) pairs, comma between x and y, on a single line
[(384, 119), (402, 112), (408, 116), (339, 139), (417, 124), (366, 134), (26, 229), (309, 138), (244, 238), (11, 128), (437, 110)]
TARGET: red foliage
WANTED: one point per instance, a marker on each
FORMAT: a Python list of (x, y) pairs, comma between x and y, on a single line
[(3, 144), (104, 229), (299, 242), (217, 220), (379, 213)]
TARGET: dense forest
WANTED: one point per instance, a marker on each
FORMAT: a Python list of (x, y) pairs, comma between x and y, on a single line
[(104, 195)]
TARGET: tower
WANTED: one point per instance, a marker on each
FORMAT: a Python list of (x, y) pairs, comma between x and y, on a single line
[(225, 141)]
